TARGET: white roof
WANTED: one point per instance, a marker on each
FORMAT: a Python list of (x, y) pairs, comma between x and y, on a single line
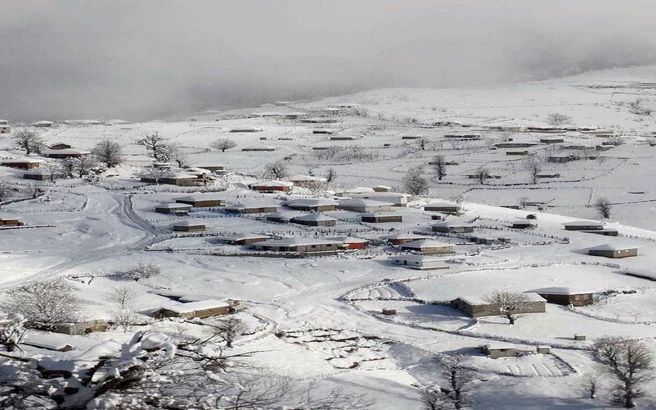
[(310, 202), (406, 236), (426, 243), (364, 202), (193, 306), (441, 204), (480, 299), (238, 237), (314, 217), (21, 160), (583, 223), (198, 197), (379, 214), (306, 178), (253, 204), (189, 223), (380, 194), (297, 241), (452, 224), (273, 183), (174, 206), (417, 258), (357, 190), (562, 290), (612, 247), (524, 221), (348, 239), (68, 151)]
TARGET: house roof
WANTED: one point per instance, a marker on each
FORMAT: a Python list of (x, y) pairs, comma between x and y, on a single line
[(298, 241), (316, 217), (21, 161), (612, 247), (480, 299), (442, 204), (272, 183), (193, 306), (310, 202), (583, 223), (67, 151), (189, 223), (452, 224), (174, 206), (426, 243), (306, 178), (364, 202), (198, 197), (379, 214), (562, 290), (254, 204), (412, 236), (417, 258)]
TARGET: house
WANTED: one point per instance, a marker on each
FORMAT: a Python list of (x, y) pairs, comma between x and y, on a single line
[(174, 208), (443, 207), (357, 190), (302, 246), (516, 152), (373, 217), (251, 208), (42, 124), (364, 205), (552, 140), (64, 153), (201, 309), (429, 247), (4, 127), (26, 163), (394, 198), (200, 201), (216, 168), (179, 179), (42, 175), (257, 149), (484, 240), (312, 204), (188, 226), (82, 327), (419, 262), (277, 217), (10, 221), (246, 129), (401, 238), (453, 227), (498, 350), (382, 188), (60, 145), (604, 232), (613, 251), (523, 224), (270, 187), (583, 226), (350, 242), (308, 181), (566, 296), (477, 306), (314, 219), (245, 239)]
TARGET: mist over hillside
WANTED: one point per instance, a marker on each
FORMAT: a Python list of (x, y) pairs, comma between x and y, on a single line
[(143, 60)]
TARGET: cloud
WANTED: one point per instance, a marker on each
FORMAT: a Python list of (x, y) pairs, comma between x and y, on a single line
[(154, 58)]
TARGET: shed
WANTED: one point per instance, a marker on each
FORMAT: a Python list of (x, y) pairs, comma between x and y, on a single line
[(453, 227), (419, 262), (200, 309), (251, 208), (271, 186), (314, 219), (24, 163), (364, 205), (614, 251), (312, 204), (401, 238), (443, 207), (188, 226), (565, 296), (201, 201), (429, 247), (477, 306), (173, 208), (373, 217)]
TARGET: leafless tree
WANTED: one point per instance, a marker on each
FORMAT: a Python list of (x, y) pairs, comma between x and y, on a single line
[(556, 119), (28, 140), (44, 303), (439, 166), (482, 175), (629, 362), (227, 330), (81, 167), (640, 106), (603, 206), (153, 143), (109, 153), (33, 190), (5, 191), (123, 310), (508, 303), (223, 144), (534, 166), (141, 271), (154, 174), (331, 175), (422, 144), (591, 385), (276, 170), (171, 153), (12, 330), (414, 181)]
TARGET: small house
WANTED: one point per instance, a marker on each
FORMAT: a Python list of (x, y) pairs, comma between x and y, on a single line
[(419, 262), (373, 217), (498, 350), (429, 247), (314, 219), (245, 239), (301, 246), (613, 251), (583, 226), (394, 198), (173, 208), (251, 208), (60, 145), (308, 181), (10, 221), (26, 163), (523, 224), (364, 205), (64, 153), (312, 204), (443, 207), (271, 186), (200, 309), (199, 201), (188, 226), (401, 238), (42, 124), (83, 327), (566, 296), (453, 227), (484, 240), (477, 306)]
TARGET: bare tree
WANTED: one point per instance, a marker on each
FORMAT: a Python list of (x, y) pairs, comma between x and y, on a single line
[(81, 167), (628, 361), (33, 190), (28, 140), (414, 181), (223, 144), (482, 175), (591, 385), (108, 152), (422, 144), (154, 174), (603, 206), (276, 170), (171, 153), (226, 330), (556, 119), (439, 166), (153, 143), (5, 191), (331, 175), (123, 312), (508, 303), (44, 303), (140, 271), (12, 330), (640, 106), (534, 166)]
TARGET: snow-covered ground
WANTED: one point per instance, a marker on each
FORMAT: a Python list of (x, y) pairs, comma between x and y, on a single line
[(319, 317)]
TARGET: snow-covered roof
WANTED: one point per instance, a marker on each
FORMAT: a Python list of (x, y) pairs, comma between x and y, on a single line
[(252, 204), (358, 189), (298, 241), (612, 247), (314, 217), (194, 306), (417, 258), (238, 237), (442, 204), (174, 206), (306, 178), (347, 239), (426, 243), (453, 224), (21, 160), (310, 202), (189, 223), (272, 183), (520, 221), (379, 214), (364, 202), (583, 223), (562, 290), (66, 151), (198, 197), (380, 194), (402, 236), (481, 299)]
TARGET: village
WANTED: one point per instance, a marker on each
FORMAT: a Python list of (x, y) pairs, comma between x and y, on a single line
[(356, 243)]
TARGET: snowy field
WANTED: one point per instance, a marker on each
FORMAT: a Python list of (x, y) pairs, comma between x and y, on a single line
[(320, 317)]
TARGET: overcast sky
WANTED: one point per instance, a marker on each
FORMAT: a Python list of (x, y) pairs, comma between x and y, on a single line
[(139, 59)]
